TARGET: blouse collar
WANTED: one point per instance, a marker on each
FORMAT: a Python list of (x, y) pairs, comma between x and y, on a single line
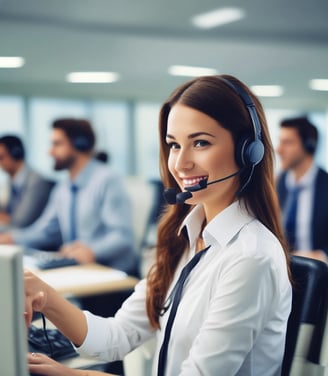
[(222, 228)]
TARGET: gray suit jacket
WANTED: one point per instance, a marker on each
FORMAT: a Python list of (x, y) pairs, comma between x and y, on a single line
[(31, 200)]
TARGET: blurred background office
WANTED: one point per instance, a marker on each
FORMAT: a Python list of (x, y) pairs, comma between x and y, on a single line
[(116, 62)]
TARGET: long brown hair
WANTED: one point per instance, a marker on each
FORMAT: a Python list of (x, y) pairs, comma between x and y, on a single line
[(210, 95)]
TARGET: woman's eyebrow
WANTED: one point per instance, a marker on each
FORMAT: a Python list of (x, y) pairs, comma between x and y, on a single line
[(192, 135), (197, 134)]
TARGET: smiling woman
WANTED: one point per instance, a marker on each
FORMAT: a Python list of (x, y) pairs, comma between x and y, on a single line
[(218, 296), (201, 155)]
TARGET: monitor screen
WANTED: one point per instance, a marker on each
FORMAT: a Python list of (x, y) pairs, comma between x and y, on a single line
[(13, 332)]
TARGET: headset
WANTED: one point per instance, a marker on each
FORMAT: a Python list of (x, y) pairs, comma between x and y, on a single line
[(249, 150), (14, 146), (82, 143), (17, 152), (310, 145)]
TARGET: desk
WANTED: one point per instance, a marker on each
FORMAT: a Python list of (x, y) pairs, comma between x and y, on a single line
[(86, 280), (82, 280)]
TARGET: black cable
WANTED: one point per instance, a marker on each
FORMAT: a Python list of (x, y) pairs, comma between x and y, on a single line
[(44, 324)]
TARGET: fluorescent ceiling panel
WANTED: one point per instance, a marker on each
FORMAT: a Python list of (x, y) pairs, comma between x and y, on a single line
[(92, 77), (189, 71), (319, 84), (217, 17), (267, 90), (11, 62)]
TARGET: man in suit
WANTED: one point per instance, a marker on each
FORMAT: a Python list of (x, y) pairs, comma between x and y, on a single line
[(302, 188), (28, 191)]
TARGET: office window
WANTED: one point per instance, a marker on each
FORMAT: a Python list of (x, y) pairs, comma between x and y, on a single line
[(147, 148), (12, 116), (111, 124), (320, 120), (12, 122)]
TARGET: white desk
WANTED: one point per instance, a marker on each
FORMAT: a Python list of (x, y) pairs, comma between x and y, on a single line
[(83, 280), (86, 280)]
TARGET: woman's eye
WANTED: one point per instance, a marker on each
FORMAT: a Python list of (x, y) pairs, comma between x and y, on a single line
[(173, 145), (201, 143)]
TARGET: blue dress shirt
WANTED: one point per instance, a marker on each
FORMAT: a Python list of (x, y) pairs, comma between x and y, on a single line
[(103, 220)]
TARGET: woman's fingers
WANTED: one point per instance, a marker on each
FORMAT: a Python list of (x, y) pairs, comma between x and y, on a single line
[(35, 297), (41, 364)]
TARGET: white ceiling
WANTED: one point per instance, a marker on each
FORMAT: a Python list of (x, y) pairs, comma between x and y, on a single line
[(280, 42)]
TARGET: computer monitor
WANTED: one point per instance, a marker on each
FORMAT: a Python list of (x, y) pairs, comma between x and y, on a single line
[(13, 332)]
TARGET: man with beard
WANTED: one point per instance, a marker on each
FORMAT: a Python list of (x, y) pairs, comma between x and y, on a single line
[(88, 216), (302, 188)]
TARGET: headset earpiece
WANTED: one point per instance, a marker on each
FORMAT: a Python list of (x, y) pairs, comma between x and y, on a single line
[(310, 145), (82, 143), (249, 150), (16, 152)]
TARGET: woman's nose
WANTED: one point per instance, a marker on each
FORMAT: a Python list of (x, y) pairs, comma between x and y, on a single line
[(184, 161)]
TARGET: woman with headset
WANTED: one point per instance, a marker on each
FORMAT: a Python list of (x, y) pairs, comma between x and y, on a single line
[(218, 295)]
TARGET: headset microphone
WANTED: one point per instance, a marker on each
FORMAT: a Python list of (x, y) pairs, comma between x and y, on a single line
[(173, 198)]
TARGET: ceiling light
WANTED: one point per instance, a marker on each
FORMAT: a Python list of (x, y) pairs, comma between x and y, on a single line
[(11, 61), (217, 17), (319, 84), (185, 70), (267, 90), (92, 77)]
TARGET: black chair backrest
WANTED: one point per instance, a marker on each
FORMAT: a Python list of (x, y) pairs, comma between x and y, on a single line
[(309, 305)]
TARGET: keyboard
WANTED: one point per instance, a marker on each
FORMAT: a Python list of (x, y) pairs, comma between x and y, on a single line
[(56, 262), (48, 259), (61, 347)]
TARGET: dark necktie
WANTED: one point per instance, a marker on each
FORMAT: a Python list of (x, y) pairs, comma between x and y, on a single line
[(72, 214), (291, 217), (14, 197), (175, 296)]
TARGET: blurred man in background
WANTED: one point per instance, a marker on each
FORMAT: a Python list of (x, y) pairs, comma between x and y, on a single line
[(88, 216), (302, 189), (28, 191)]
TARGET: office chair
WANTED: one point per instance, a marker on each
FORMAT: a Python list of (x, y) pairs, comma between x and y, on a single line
[(306, 322)]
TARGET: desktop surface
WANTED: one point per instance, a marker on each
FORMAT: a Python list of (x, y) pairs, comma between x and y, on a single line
[(80, 280)]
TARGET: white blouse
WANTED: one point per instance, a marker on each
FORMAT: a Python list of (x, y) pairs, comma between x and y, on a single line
[(233, 312)]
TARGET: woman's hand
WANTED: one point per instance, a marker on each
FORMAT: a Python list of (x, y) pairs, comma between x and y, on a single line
[(40, 364), (67, 317), (36, 294), (79, 251)]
